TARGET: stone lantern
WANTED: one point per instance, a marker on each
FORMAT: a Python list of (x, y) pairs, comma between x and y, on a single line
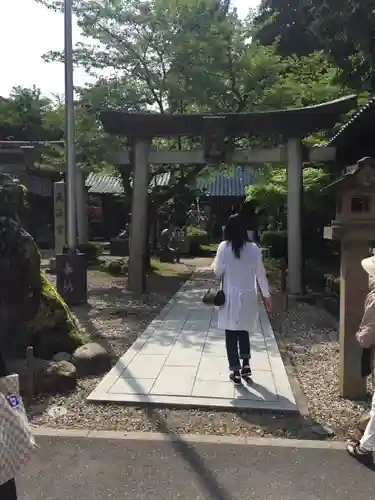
[(354, 227)]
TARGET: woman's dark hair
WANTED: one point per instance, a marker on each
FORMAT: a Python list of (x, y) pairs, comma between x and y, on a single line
[(235, 233)]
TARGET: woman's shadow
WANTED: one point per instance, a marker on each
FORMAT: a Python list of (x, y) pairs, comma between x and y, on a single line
[(251, 390)]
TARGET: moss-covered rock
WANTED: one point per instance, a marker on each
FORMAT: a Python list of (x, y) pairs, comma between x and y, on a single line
[(32, 313), (53, 329)]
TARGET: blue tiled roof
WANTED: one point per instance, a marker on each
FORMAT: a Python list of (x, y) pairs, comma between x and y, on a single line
[(217, 184), (227, 184)]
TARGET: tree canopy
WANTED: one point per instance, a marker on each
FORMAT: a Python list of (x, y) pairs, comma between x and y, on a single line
[(27, 115), (344, 29), (272, 194), (186, 56)]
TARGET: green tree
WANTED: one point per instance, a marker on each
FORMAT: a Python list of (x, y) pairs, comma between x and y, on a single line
[(283, 23), (344, 29), (28, 116), (318, 207), (149, 48), (158, 65)]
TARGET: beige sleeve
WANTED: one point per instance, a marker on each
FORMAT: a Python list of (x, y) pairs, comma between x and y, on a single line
[(366, 332)]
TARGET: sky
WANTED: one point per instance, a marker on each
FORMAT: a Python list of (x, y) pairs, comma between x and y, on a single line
[(27, 31)]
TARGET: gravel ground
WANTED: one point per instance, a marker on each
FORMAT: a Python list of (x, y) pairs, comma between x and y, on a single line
[(307, 339), (129, 419)]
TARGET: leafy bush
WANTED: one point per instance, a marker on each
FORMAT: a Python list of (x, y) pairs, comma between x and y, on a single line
[(277, 242), (195, 232), (196, 237), (92, 250)]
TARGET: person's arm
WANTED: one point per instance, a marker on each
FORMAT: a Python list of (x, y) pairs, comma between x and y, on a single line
[(366, 333), (261, 276), (218, 264), (263, 281)]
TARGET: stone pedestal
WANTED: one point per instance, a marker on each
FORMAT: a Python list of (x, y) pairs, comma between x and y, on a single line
[(71, 277), (353, 290)]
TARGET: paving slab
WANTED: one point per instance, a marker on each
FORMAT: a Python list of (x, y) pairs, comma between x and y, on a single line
[(180, 360)]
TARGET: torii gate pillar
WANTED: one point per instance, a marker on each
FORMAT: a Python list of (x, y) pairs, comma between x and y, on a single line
[(138, 227), (294, 208)]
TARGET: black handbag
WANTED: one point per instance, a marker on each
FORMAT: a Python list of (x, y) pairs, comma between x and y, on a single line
[(215, 297)]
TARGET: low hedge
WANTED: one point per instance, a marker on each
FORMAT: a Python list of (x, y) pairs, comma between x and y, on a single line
[(196, 233), (196, 237)]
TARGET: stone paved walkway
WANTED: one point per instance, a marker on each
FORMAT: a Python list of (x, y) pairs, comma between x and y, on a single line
[(180, 360)]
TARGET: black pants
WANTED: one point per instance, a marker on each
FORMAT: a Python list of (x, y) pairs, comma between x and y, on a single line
[(238, 346), (8, 491)]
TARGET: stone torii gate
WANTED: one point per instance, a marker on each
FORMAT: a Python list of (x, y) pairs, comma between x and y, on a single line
[(217, 132)]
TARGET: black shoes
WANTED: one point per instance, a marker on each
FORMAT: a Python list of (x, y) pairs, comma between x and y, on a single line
[(235, 377), (364, 456), (246, 372)]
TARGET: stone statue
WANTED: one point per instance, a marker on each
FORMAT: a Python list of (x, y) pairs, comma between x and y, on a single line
[(192, 216), (31, 311), (179, 241)]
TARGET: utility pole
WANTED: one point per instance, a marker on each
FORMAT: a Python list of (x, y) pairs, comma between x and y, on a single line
[(70, 126), (71, 266)]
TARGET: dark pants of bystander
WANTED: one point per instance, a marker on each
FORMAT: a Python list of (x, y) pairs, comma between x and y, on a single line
[(238, 347)]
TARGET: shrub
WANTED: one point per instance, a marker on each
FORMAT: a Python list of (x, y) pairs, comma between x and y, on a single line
[(277, 242), (92, 250), (195, 232), (196, 237)]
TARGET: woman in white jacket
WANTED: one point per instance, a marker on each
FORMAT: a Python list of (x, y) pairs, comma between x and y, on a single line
[(239, 263)]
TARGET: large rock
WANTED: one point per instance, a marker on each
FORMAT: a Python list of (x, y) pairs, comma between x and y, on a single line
[(32, 313), (49, 377), (62, 356), (54, 328), (91, 359), (59, 376)]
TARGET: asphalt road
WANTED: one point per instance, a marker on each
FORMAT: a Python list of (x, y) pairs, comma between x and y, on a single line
[(96, 469)]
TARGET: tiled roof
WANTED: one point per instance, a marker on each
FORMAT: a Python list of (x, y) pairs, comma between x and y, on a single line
[(110, 184), (365, 115), (103, 184), (219, 184), (230, 184), (161, 180)]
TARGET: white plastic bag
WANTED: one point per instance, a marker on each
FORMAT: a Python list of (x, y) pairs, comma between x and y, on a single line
[(17, 443)]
